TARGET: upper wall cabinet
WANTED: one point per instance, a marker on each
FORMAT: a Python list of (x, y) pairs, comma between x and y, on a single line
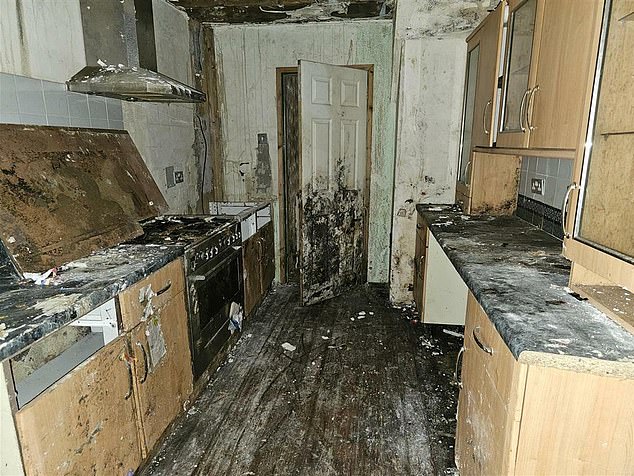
[(600, 229), (478, 121), (550, 53)]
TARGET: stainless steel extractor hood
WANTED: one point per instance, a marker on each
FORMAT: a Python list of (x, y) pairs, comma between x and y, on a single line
[(119, 41), (132, 84)]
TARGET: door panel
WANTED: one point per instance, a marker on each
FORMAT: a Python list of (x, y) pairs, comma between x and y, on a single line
[(333, 118)]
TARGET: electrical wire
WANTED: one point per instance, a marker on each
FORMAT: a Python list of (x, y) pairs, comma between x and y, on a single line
[(202, 180)]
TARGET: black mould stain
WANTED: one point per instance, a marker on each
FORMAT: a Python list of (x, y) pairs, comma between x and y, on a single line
[(333, 240)]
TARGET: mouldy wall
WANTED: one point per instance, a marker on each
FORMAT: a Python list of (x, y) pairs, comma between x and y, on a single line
[(429, 65), (41, 39), (164, 133), (247, 57)]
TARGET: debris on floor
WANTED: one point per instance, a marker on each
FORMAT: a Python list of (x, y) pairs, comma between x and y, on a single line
[(289, 347)]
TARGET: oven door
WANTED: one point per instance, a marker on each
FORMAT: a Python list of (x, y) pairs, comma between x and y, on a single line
[(211, 290)]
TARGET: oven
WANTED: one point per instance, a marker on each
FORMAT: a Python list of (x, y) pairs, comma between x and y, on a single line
[(213, 285)]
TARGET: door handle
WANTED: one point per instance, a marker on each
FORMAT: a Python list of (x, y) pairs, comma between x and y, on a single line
[(125, 358), (479, 343), (529, 108), (456, 375), (165, 288), (146, 365), (564, 208), (522, 113), (484, 116)]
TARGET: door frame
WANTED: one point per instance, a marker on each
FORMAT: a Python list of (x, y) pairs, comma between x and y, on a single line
[(280, 160)]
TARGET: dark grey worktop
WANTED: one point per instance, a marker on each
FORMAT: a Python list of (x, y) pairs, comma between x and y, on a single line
[(519, 277), (29, 312)]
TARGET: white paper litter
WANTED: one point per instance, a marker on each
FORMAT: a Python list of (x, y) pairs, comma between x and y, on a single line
[(452, 333), (288, 346)]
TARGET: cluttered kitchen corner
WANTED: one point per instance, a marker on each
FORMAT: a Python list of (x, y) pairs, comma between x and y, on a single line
[(113, 314)]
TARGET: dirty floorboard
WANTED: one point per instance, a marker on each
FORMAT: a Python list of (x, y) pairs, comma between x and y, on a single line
[(370, 396)]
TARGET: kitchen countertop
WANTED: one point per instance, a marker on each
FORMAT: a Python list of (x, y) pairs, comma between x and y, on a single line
[(29, 312), (519, 277)]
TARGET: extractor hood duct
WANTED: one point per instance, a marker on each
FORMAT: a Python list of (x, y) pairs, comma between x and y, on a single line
[(122, 34)]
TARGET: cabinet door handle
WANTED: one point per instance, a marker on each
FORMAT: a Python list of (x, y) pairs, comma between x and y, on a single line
[(529, 108), (165, 288), (126, 359), (146, 366), (484, 116), (456, 374), (564, 208), (479, 343), (522, 113)]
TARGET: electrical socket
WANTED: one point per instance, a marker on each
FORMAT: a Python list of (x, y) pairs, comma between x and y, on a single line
[(179, 177), (537, 186)]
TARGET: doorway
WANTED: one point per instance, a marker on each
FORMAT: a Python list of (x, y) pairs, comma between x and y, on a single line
[(297, 241)]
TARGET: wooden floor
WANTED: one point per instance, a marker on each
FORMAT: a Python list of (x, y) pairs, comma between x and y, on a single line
[(369, 396)]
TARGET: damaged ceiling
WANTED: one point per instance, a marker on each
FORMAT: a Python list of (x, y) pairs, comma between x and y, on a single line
[(281, 11)]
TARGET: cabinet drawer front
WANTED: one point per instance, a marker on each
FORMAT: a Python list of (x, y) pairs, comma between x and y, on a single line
[(85, 423), (498, 362), (151, 293)]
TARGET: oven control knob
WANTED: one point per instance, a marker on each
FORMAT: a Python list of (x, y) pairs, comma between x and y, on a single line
[(214, 251)]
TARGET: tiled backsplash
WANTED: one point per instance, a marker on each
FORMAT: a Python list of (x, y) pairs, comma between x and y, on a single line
[(556, 173), (33, 101), (544, 210)]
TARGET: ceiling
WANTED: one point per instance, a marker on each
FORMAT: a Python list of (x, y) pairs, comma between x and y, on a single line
[(264, 11)]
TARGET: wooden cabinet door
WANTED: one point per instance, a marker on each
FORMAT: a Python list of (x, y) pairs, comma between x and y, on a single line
[(489, 37), (568, 42), (85, 423), (267, 257), (163, 376), (251, 275), (490, 400), (419, 265)]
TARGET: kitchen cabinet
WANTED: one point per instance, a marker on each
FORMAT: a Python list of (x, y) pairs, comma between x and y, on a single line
[(439, 291), (491, 184), (571, 422), (599, 218), (86, 422), (480, 100), (106, 414), (258, 255), (163, 378), (550, 55)]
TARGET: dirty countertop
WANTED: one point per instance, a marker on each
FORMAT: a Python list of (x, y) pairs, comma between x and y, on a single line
[(519, 277), (29, 312)]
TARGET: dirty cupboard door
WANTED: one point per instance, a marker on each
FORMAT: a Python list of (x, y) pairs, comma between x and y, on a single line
[(333, 122)]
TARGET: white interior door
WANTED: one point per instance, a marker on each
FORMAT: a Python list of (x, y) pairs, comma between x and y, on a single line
[(333, 124)]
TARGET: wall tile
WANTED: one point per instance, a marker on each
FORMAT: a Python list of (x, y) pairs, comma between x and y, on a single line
[(8, 97), (565, 169), (549, 191), (54, 120), (552, 167), (114, 110), (9, 118), (97, 108), (78, 105), (80, 121), (99, 123), (33, 119), (542, 165), (56, 103)]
